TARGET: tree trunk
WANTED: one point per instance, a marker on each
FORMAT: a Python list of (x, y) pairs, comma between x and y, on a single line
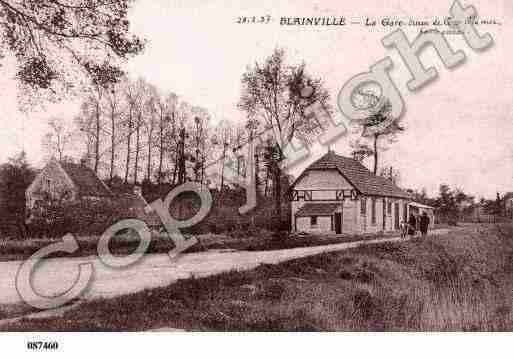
[(222, 167), (59, 147), (257, 171), (137, 148), (176, 164), (150, 135), (161, 146), (277, 194), (112, 144), (127, 169), (375, 154), (197, 164), (203, 168), (181, 158), (266, 187), (97, 144)]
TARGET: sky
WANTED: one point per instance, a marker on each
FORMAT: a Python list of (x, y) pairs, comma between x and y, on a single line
[(459, 128)]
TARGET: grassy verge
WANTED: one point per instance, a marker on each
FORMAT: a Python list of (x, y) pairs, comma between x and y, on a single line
[(125, 244), (460, 281), (15, 310)]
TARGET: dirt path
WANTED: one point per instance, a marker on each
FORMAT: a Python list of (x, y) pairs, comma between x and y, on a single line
[(154, 270)]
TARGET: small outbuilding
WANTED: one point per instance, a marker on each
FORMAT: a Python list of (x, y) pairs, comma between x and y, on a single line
[(65, 181)]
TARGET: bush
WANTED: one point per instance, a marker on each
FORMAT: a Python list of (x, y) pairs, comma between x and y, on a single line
[(54, 219), (79, 217)]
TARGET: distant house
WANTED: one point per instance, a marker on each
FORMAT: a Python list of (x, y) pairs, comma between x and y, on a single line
[(336, 194), (65, 181)]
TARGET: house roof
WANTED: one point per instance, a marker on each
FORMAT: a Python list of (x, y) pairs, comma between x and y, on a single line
[(358, 176), (86, 180), (317, 209)]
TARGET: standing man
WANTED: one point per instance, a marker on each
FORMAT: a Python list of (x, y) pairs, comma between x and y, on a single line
[(424, 224), (412, 225)]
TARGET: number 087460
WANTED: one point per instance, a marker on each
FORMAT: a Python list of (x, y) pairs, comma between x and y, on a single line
[(42, 345)]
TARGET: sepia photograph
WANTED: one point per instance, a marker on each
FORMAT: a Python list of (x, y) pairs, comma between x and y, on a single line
[(317, 166)]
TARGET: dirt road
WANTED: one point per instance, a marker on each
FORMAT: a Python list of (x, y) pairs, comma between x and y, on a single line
[(54, 276)]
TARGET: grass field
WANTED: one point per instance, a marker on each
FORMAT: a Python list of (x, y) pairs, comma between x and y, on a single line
[(462, 281)]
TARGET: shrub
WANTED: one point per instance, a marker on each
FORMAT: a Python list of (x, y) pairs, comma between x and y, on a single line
[(78, 217)]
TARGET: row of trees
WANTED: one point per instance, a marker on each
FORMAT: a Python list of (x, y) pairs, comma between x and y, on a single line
[(131, 131), (134, 132), (453, 205)]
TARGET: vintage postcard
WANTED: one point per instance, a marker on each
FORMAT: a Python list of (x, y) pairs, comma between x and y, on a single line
[(273, 166)]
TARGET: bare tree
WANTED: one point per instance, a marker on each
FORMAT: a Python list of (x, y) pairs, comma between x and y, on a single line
[(162, 137), (58, 140), (152, 111), (133, 93), (90, 123), (239, 140), (182, 144), (166, 131), (199, 142), (272, 96), (138, 124), (113, 104), (223, 141), (93, 108)]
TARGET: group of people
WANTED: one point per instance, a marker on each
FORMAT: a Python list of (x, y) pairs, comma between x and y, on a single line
[(415, 224)]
